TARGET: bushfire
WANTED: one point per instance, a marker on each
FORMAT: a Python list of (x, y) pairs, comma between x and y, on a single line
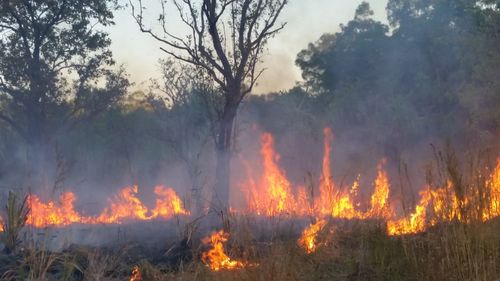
[(271, 193)]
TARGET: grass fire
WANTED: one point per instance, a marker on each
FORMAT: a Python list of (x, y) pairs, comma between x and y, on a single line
[(249, 140)]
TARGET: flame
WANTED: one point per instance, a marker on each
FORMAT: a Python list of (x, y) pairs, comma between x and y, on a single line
[(272, 194), (416, 222), (216, 258), (380, 207), (60, 213), (136, 274), (278, 186), (343, 206), (1, 225), (494, 195), (168, 204), (327, 189), (124, 206), (307, 241), (332, 201), (442, 204)]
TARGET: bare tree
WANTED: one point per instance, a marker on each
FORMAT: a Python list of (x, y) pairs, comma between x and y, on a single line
[(227, 39)]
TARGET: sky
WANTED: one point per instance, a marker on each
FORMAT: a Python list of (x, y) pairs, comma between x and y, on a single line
[(306, 21)]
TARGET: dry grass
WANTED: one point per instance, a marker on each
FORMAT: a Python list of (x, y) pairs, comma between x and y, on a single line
[(349, 251)]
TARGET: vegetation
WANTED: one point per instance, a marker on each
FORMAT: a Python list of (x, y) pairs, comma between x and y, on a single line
[(428, 75), (17, 215)]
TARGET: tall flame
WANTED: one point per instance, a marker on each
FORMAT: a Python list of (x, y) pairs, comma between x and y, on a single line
[(216, 258), (278, 186), (273, 194), (327, 188), (380, 207), (494, 194)]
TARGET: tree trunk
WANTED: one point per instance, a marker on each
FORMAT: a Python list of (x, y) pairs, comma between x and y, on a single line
[(223, 150)]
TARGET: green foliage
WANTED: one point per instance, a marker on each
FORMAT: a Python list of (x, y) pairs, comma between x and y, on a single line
[(17, 215), (51, 58), (431, 73)]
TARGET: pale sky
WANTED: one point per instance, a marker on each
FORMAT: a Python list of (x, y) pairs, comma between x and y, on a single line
[(306, 21)]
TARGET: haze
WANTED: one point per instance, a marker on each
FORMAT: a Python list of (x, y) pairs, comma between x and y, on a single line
[(306, 21)]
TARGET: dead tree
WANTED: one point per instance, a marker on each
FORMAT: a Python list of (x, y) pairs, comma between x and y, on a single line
[(227, 39)]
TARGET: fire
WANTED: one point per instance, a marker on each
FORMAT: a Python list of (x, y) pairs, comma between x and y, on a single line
[(494, 195), (278, 186), (273, 193), (328, 189), (270, 193), (216, 258), (1, 225), (136, 274), (442, 204), (124, 206), (342, 206), (168, 204), (380, 207), (332, 201), (416, 222), (307, 241), (60, 213)]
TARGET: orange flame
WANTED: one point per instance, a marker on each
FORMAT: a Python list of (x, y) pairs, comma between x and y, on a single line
[(307, 241), (380, 207), (416, 222), (216, 258), (168, 204), (279, 188), (60, 213), (327, 189), (271, 193), (1, 225), (124, 206), (494, 195), (443, 205), (136, 274)]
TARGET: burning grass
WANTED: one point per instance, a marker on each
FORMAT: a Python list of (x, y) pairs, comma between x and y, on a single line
[(450, 234), (357, 250), (125, 206)]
